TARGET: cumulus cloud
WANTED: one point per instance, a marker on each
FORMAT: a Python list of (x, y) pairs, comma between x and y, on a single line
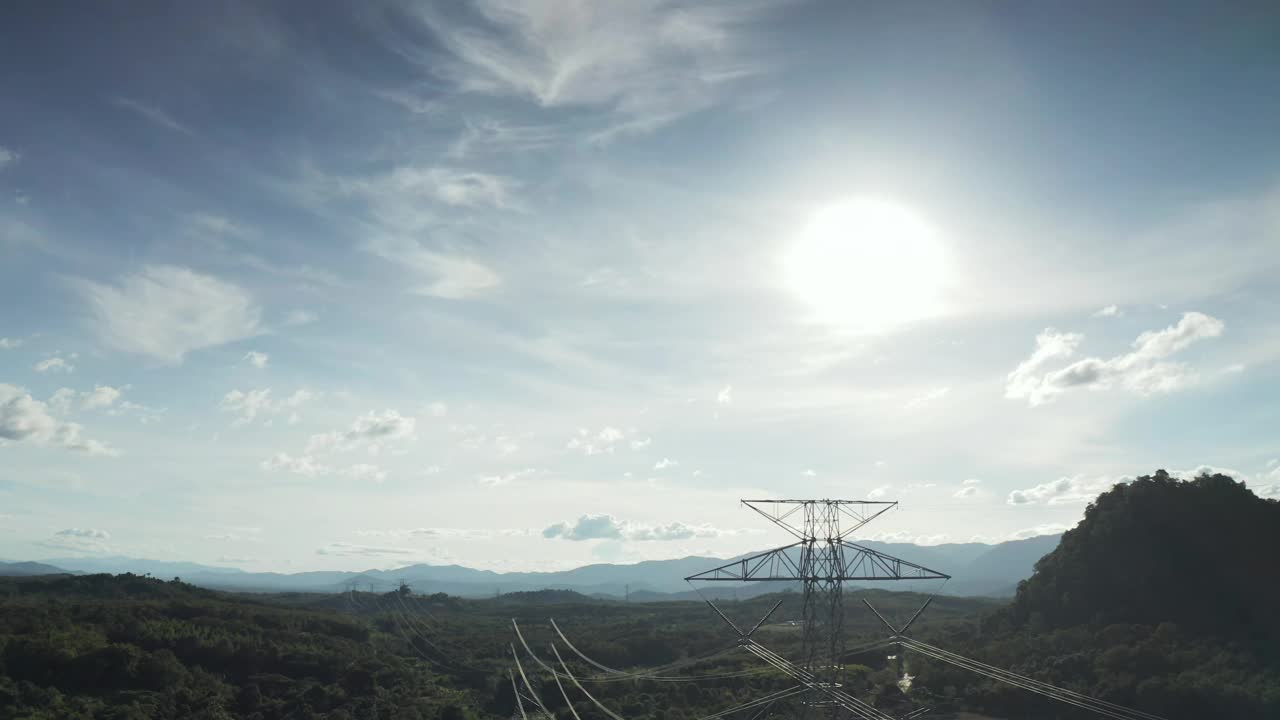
[(365, 471), (607, 527), (1109, 311), (53, 365), (25, 419), (641, 443), (1037, 531), (257, 359), (166, 312), (595, 444), (85, 533), (725, 396), (902, 536), (504, 478), (8, 157), (255, 403), (11, 343), (878, 493), (62, 399), (1024, 381), (1142, 371), (665, 463), (1082, 488), (304, 465), (1073, 489), (966, 491), (1199, 470), (371, 430), (100, 397), (79, 540), (308, 466)]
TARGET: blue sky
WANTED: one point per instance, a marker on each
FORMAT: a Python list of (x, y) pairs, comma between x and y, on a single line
[(535, 284)]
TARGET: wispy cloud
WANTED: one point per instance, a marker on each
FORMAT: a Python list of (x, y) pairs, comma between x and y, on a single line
[(448, 276), (505, 478), (646, 63), (489, 136), (152, 113), (8, 157), (165, 312), (927, 398), (342, 549)]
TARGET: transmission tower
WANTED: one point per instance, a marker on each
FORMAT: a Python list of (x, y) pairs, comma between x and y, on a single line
[(821, 561)]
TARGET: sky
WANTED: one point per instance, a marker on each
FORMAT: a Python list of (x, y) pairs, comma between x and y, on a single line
[(529, 285)]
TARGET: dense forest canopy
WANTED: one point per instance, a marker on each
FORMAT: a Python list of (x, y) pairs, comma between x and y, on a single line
[(1198, 553)]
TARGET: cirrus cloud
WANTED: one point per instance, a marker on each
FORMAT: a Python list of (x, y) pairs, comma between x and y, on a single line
[(165, 312)]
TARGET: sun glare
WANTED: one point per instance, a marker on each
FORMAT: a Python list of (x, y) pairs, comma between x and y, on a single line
[(867, 265)]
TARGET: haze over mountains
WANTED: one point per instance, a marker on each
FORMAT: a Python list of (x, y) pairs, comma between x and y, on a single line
[(976, 569)]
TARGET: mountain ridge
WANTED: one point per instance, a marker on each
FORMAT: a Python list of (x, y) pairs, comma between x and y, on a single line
[(996, 571)]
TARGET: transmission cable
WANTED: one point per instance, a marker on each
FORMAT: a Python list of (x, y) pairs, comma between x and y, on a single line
[(607, 678), (670, 666), (1069, 697), (1120, 708), (590, 697), (533, 694)]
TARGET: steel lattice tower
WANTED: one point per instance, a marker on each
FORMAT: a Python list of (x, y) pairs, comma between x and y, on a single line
[(821, 561)]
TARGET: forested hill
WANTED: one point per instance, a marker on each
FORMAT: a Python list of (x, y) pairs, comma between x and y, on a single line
[(1162, 598), (1200, 554)]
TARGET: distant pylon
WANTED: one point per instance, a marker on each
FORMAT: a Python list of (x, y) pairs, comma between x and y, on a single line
[(821, 560)]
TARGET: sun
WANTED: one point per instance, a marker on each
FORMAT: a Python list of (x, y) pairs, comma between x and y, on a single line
[(867, 265)]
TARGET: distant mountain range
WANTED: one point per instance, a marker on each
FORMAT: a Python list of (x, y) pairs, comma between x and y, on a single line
[(12, 569), (976, 569)]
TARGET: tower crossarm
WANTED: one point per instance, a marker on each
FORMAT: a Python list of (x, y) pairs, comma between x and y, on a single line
[(863, 563), (853, 562), (776, 565)]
